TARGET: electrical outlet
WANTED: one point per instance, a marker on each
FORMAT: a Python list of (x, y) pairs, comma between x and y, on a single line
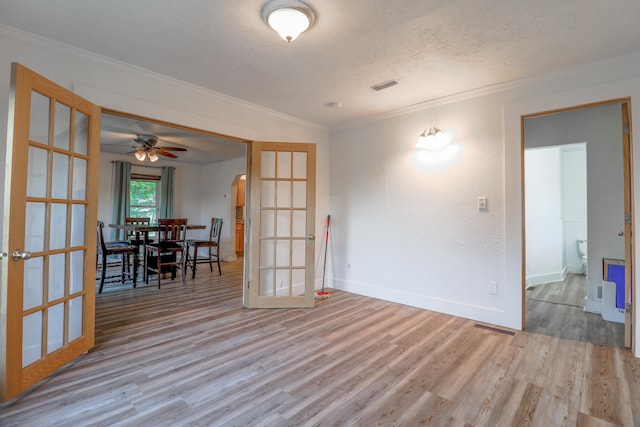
[(493, 288)]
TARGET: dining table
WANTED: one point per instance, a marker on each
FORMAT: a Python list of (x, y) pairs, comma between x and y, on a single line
[(144, 230)]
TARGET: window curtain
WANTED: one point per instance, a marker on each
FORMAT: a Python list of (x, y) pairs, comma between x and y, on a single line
[(166, 192), (121, 182)]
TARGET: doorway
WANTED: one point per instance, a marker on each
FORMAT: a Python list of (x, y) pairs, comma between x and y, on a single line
[(574, 196)]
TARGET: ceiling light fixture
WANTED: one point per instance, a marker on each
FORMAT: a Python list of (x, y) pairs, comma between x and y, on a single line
[(432, 139), (140, 155), (289, 18)]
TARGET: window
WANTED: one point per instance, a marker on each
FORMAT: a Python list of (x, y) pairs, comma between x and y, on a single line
[(144, 196)]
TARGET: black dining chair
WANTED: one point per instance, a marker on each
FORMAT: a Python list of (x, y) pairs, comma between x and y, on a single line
[(212, 244), (168, 252), (118, 248)]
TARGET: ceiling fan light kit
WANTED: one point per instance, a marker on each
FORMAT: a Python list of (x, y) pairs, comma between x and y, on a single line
[(148, 150), (289, 18)]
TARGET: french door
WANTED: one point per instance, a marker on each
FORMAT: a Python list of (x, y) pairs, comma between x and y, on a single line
[(281, 225), (49, 231)]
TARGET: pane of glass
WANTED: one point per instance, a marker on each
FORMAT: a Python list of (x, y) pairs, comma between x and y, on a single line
[(55, 327), (299, 252), (283, 283), (268, 197), (300, 194), (37, 172), (39, 119), (267, 223), (300, 165), (77, 225), (62, 126), (31, 338), (266, 253), (58, 231), (33, 282), (266, 282), (284, 194), (142, 193), (81, 133), (284, 224), (268, 164), (60, 176), (282, 253), (79, 191), (299, 224), (76, 271), (75, 318), (297, 277), (34, 227), (284, 165), (151, 213), (56, 276)]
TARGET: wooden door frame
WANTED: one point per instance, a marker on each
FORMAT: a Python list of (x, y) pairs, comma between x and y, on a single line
[(629, 236)]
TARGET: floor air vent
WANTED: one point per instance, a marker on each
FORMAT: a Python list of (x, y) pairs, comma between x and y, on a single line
[(489, 328)]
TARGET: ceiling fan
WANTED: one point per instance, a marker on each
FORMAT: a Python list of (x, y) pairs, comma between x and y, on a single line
[(147, 148)]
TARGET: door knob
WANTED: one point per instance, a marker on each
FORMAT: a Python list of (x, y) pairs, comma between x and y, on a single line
[(311, 237), (19, 254), (620, 233)]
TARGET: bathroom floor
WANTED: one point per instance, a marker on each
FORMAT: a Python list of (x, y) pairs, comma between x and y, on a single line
[(556, 309)]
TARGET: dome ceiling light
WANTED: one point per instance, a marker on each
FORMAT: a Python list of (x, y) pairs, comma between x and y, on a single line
[(289, 18)]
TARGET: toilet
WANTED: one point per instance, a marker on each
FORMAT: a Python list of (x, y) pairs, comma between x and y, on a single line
[(582, 251)]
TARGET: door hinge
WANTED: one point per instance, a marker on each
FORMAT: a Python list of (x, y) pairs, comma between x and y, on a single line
[(628, 308), (627, 217)]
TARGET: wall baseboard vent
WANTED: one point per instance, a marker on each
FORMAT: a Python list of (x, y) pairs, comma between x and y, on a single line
[(491, 328)]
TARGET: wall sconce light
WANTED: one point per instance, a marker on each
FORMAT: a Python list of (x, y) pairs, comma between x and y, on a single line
[(432, 139), (289, 18)]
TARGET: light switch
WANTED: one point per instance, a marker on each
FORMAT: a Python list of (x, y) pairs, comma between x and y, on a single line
[(483, 203)]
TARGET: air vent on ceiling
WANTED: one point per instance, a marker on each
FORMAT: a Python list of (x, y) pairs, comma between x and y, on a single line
[(384, 85)]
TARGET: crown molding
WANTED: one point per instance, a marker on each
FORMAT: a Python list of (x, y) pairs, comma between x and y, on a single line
[(63, 48)]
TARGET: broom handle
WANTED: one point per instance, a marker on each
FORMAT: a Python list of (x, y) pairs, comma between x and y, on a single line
[(326, 247)]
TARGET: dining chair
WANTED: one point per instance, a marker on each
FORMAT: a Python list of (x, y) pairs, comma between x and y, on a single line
[(168, 252), (134, 239), (124, 250), (213, 246)]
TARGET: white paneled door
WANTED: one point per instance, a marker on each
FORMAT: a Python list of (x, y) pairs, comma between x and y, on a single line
[(49, 231), (281, 227)]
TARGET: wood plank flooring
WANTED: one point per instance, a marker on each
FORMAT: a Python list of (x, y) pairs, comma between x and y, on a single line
[(192, 356), (557, 309)]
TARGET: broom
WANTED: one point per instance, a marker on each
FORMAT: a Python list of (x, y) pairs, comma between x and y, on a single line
[(322, 294)]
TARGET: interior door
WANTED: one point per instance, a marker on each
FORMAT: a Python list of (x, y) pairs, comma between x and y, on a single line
[(49, 231), (629, 279), (281, 225)]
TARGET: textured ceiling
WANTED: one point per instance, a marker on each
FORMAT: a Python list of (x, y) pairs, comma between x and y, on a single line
[(433, 48)]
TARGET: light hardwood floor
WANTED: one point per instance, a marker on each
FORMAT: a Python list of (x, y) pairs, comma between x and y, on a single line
[(557, 309), (193, 356)]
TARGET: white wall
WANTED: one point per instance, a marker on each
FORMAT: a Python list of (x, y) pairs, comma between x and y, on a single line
[(411, 232), (555, 211), (574, 203), (218, 200), (545, 261)]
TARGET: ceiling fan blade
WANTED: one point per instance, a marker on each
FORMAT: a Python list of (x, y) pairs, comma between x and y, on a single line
[(171, 148), (165, 153)]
